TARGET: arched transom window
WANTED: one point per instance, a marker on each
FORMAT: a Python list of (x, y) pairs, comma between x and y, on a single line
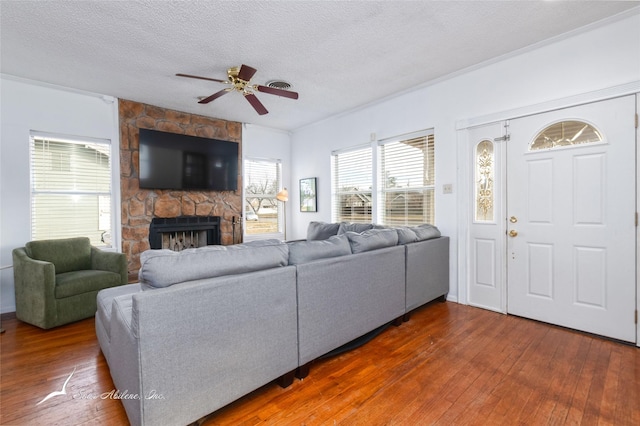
[(566, 133)]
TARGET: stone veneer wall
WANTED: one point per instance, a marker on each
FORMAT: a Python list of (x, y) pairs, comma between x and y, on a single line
[(139, 206)]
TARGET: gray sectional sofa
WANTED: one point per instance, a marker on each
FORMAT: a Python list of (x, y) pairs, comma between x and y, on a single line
[(206, 326)]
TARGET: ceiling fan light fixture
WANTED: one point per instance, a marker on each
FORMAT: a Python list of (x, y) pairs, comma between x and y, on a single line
[(238, 80), (278, 84)]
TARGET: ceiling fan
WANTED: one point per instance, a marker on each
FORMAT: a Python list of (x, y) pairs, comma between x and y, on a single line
[(239, 78)]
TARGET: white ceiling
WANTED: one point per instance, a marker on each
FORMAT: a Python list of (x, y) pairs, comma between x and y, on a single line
[(338, 55)]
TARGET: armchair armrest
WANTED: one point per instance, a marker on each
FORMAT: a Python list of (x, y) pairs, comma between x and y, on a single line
[(110, 261), (35, 282)]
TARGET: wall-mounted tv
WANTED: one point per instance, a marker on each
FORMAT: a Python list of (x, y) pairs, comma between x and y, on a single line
[(174, 161)]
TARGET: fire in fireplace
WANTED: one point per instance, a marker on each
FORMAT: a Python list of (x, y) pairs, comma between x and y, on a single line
[(179, 233)]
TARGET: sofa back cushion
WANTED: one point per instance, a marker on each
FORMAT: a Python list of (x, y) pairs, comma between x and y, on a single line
[(321, 230), (412, 234), (426, 232), (306, 251), (406, 235), (354, 227), (372, 239), (162, 268), (68, 254)]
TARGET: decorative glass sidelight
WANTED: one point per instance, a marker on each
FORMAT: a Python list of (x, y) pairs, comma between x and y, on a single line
[(484, 181), (566, 133)]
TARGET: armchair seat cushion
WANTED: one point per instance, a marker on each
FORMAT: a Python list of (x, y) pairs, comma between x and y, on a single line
[(73, 283)]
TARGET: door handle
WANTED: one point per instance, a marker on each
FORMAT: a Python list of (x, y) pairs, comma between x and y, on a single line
[(513, 233)]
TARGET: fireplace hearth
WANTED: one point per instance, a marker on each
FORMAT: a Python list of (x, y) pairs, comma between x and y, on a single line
[(183, 232)]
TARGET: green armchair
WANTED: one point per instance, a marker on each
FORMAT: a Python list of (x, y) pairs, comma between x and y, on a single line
[(56, 281)]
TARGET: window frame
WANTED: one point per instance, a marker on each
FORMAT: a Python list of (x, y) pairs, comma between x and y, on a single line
[(377, 176), (279, 234), (335, 192), (382, 189), (111, 150)]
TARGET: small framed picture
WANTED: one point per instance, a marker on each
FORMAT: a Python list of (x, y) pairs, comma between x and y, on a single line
[(308, 195)]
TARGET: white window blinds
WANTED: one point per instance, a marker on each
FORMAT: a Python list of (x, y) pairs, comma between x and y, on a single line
[(71, 189), (262, 210), (352, 185), (407, 181)]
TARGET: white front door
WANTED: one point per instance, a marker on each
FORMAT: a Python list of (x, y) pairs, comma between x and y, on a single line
[(570, 214)]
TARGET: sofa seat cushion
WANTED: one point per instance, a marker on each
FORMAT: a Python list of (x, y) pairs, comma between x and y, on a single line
[(163, 268), (68, 254), (321, 230), (77, 282), (106, 297), (372, 239), (306, 251)]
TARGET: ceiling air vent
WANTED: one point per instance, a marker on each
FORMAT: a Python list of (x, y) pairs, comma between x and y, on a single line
[(278, 84)]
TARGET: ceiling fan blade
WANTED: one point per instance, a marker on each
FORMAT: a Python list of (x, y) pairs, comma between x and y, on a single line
[(246, 72), (255, 103), (214, 96), (276, 91), (202, 78)]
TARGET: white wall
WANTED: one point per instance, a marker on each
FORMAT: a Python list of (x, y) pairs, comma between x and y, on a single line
[(27, 106), (270, 144), (603, 56)]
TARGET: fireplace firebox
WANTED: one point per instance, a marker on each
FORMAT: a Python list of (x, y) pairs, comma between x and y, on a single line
[(179, 233)]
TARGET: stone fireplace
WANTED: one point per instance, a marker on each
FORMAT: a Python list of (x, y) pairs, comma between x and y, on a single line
[(141, 206)]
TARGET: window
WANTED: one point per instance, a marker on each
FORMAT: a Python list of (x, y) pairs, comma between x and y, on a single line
[(566, 133), (71, 189), (352, 176), (263, 212), (484, 178), (403, 193), (407, 181)]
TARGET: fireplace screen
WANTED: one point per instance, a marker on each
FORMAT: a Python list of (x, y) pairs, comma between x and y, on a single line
[(184, 232)]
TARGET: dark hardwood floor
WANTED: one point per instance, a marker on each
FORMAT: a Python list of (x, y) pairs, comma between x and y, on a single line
[(450, 364)]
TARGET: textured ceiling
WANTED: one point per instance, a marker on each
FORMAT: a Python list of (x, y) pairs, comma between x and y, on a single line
[(337, 55)]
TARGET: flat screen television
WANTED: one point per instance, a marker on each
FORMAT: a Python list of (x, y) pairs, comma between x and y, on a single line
[(174, 161)]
